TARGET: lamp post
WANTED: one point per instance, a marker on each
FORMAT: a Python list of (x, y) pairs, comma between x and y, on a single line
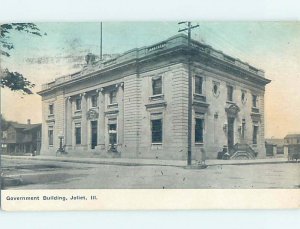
[(61, 149), (112, 134)]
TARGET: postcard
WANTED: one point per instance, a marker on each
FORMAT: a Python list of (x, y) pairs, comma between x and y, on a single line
[(150, 115)]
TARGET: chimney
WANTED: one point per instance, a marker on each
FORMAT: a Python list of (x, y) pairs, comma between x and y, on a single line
[(28, 121)]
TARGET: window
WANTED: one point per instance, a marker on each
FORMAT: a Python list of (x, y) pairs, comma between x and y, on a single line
[(77, 135), (51, 109), (255, 133), (243, 128), (254, 101), (199, 130), (112, 130), (229, 93), (50, 137), (198, 85), (4, 134), (243, 97), (78, 104), (157, 86), (112, 97), (156, 128), (215, 89), (94, 100)]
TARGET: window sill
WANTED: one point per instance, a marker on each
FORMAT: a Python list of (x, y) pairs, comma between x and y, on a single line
[(156, 97), (199, 97), (230, 102), (112, 105), (199, 143), (156, 146), (255, 110), (50, 118)]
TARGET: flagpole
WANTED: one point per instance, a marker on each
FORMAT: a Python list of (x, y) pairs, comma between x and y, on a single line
[(100, 41)]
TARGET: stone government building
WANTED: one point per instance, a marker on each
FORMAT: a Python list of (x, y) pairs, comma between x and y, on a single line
[(138, 102)]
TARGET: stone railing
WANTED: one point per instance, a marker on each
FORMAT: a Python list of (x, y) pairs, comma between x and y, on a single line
[(220, 55), (176, 41), (62, 79), (156, 47)]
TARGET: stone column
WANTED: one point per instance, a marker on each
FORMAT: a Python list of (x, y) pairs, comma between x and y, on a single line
[(121, 114), (68, 124), (101, 119), (84, 129)]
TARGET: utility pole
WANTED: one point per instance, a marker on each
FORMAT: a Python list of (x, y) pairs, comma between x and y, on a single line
[(1, 76), (100, 41), (189, 28)]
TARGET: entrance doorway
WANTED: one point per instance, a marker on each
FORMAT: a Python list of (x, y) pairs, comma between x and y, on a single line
[(230, 134), (94, 131)]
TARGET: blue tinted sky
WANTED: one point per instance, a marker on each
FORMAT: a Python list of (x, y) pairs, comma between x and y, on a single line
[(272, 46)]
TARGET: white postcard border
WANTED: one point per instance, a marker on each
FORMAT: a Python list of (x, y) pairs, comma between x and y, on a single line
[(147, 199)]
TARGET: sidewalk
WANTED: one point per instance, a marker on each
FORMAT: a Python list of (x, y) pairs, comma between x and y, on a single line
[(146, 162)]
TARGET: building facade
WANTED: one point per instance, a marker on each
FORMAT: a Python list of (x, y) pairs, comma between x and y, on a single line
[(136, 104), (275, 147), (292, 139), (20, 139), (292, 145)]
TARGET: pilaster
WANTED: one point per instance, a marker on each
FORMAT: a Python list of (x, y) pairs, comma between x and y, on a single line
[(120, 101), (68, 123), (84, 129), (101, 122)]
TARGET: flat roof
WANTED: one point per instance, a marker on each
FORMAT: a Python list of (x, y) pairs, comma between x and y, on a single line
[(179, 40)]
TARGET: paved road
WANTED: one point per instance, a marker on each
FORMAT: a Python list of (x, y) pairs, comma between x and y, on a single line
[(37, 174)]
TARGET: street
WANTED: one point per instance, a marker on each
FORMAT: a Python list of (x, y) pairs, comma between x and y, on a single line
[(37, 174)]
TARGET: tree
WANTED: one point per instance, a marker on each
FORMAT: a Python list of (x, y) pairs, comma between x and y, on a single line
[(3, 123), (13, 80)]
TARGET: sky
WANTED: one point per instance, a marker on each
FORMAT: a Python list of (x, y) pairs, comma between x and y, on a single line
[(271, 46)]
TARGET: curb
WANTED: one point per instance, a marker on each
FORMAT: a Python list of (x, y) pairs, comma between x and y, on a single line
[(94, 162), (142, 164), (254, 163)]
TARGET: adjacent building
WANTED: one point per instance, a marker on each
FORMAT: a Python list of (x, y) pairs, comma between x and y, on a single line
[(292, 144), (135, 105), (20, 139), (292, 139), (275, 147)]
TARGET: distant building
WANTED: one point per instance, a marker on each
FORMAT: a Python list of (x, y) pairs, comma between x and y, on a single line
[(136, 104), (19, 139), (275, 147), (292, 139), (292, 144)]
